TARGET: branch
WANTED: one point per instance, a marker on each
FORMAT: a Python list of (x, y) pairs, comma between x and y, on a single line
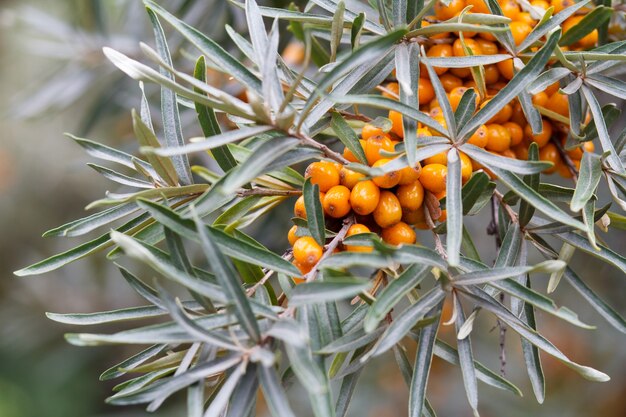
[(268, 192), (566, 158), (317, 145), (432, 206)]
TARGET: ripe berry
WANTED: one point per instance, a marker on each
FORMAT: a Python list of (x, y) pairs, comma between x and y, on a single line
[(515, 131), (347, 153), (388, 211), (542, 138), (306, 251), (558, 103), (356, 229), (374, 145), (291, 236), (453, 9), (396, 123), (299, 209), (398, 234), (388, 180), (450, 82), (433, 177), (550, 153), (411, 196), (324, 174), (498, 138), (349, 178), (336, 202), (506, 68), (364, 197), (369, 130), (441, 50), (520, 31), (409, 175), (426, 92), (480, 137), (466, 167)]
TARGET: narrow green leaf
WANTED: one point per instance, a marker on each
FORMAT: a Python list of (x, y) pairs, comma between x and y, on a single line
[(527, 210), (510, 164), (348, 136), (596, 18), (466, 359), (531, 354), (163, 166), (128, 364), (315, 213), (355, 31), (274, 392), (325, 291), (454, 207)]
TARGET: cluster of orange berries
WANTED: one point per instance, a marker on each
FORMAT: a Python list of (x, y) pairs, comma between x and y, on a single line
[(392, 204)]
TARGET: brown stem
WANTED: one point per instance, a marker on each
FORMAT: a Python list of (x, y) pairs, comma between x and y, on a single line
[(267, 192), (325, 149), (431, 225), (352, 116), (287, 256), (566, 158), (509, 211)]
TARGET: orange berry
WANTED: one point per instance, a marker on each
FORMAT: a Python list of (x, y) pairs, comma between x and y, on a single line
[(510, 9), (394, 88), (525, 17), (306, 251), (542, 4), (506, 68), (433, 177), (426, 92), (550, 153), (374, 145), (520, 31), (299, 209), (440, 158), (356, 229), (461, 72), (324, 174), (411, 196), (388, 180), (480, 137), (368, 130), (466, 167), (291, 236), (349, 178), (559, 5), (347, 153), (509, 153), (364, 197), (558, 103), (518, 115), (521, 151), (388, 211), (552, 88), (450, 82), (443, 12), (487, 47), (293, 54), (515, 131), (492, 74), (540, 99), (304, 269), (336, 202), (456, 95), (396, 123), (542, 138), (479, 6), (441, 50), (471, 44), (498, 138), (409, 175), (398, 234)]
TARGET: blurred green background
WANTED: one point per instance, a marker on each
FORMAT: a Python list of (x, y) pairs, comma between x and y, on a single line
[(53, 79)]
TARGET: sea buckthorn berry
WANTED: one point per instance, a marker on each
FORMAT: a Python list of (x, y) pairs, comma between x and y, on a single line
[(440, 158), (369, 130), (423, 131), (498, 138), (324, 174), (510, 9), (443, 35), (540, 99), (374, 145), (525, 17), (450, 82), (436, 112), (506, 68), (364, 197), (426, 93), (552, 88), (293, 54), (388, 180), (520, 31), (492, 74), (466, 167), (409, 175), (508, 153), (550, 153), (471, 44), (433, 177), (515, 131), (291, 236), (487, 47), (559, 5), (480, 137), (441, 50), (518, 115), (396, 123), (388, 211), (304, 269), (336, 202), (349, 178), (357, 229), (443, 12), (542, 138), (456, 95), (478, 6), (411, 196), (398, 234), (461, 72), (558, 103), (394, 91), (306, 251), (347, 153), (299, 209)]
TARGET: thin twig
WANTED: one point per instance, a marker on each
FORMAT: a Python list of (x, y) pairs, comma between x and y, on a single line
[(250, 291), (352, 116), (566, 158), (508, 209), (329, 153), (431, 225), (267, 192)]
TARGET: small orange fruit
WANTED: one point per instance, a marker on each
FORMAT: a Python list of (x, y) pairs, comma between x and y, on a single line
[(374, 145), (349, 178), (364, 197), (498, 138), (441, 50), (542, 138), (450, 82), (515, 131), (306, 251), (433, 177), (388, 180), (558, 103), (410, 196), (399, 234), (388, 211), (347, 153), (336, 202), (409, 175), (466, 167), (291, 236), (324, 174), (396, 123), (479, 137), (443, 12), (550, 153), (356, 229), (368, 130), (426, 92)]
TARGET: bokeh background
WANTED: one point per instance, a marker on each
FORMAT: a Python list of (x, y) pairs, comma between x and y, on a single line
[(54, 79)]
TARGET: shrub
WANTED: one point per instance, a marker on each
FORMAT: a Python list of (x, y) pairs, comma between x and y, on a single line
[(478, 97)]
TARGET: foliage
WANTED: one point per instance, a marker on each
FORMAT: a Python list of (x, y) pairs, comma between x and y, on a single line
[(252, 320)]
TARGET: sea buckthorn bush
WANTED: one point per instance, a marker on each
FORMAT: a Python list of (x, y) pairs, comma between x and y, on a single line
[(389, 127)]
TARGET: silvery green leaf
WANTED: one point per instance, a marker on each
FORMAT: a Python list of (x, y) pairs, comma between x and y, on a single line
[(245, 393), (119, 177), (128, 364), (466, 61), (87, 224), (355, 31), (348, 137), (336, 29), (588, 180), (331, 6), (466, 359), (612, 86), (530, 112), (442, 98), (113, 316), (466, 107), (497, 274), (325, 291), (592, 20), (169, 107), (454, 207), (531, 354), (397, 289), (220, 401), (510, 164), (548, 78)]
